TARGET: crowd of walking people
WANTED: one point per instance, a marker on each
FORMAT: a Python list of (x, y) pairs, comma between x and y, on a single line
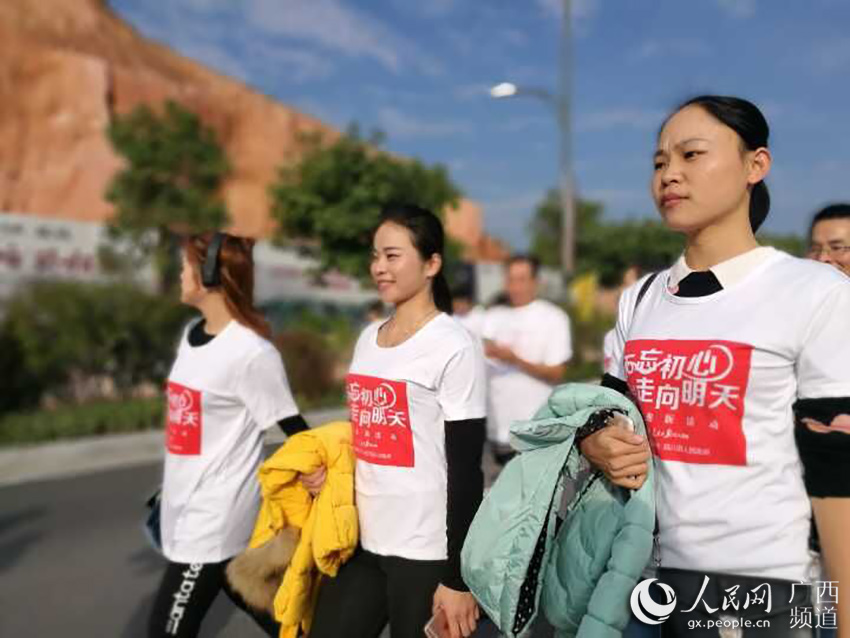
[(725, 398)]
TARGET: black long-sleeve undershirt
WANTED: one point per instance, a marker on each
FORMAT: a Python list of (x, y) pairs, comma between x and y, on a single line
[(464, 446), (293, 425), (825, 456)]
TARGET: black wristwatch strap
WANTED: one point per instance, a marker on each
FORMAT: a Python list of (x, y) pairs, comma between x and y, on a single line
[(596, 422)]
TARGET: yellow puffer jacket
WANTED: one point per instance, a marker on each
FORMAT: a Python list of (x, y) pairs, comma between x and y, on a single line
[(328, 523)]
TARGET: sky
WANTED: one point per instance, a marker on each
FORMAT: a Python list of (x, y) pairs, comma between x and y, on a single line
[(420, 70)]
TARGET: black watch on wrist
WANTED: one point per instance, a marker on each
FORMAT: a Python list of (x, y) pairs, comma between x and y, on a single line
[(595, 422)]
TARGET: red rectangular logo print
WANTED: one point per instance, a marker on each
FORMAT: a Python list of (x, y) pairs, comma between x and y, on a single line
[(185, 424), (380, 418), (692, 395)]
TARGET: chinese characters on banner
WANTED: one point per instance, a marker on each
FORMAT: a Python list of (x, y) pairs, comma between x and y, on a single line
[(380, 417), (692, 397), (184, 421), (31, 246)]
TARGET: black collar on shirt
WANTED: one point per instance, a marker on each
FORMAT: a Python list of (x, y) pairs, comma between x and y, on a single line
[(699, 284), (198, 336)]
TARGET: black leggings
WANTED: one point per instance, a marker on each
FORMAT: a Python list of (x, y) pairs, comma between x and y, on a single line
[(371, 590), (186, 594)]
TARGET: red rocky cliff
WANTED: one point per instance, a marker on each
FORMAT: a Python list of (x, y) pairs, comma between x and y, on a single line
[(68, 66)]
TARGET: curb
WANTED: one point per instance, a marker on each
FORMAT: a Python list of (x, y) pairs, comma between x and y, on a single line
[(50, 461)]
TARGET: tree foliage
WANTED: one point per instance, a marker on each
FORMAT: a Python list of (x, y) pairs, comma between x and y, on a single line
[(792, 244), (605, 247), (63, 331), (334, 195), (172, 178), (610, 247)]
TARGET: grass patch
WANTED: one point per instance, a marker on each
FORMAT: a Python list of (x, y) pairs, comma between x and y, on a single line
[(70, 422)]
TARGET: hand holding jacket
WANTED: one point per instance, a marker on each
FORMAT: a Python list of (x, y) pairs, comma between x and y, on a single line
[(621, 455), (313, 481)]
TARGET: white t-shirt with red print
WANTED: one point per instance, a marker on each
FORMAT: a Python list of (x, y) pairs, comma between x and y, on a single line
[(609, 342), (399, 400), (716, 378), (538, 332), (221, 397)]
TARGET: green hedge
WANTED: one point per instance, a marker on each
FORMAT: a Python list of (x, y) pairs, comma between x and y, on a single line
[(57, 332), (112, 417), (84, 420)]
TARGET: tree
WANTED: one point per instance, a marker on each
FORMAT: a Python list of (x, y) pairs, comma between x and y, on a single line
[(793, 244), (609, 248), (21, 388), (61, 332), (334, 195), (545, 227), (172, 179), (605, 247)]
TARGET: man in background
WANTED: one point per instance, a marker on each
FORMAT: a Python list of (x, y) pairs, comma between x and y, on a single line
[(829, 237), (528, 348), (829, 243), (466, 311)]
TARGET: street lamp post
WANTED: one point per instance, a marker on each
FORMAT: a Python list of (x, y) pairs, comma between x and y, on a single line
[(568, 221), (561, 105)]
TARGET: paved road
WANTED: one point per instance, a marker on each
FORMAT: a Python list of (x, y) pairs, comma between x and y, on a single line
[(74, 561)]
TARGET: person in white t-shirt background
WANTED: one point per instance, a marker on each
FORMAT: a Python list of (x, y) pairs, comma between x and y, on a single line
[(470, 314), (729, 354), (630, 276), (528, 347), (375, 311), (829, 242), (416, 395), (226, 387)]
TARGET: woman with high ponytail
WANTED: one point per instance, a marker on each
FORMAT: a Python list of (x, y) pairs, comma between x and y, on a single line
[(737, 356), (416, 396)]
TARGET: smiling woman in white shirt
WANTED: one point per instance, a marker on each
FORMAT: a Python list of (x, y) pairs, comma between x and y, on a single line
[(226, 387), (727, 353), (416, 395)]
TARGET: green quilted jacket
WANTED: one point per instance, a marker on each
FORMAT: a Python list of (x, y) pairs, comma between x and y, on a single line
[(554, 536)]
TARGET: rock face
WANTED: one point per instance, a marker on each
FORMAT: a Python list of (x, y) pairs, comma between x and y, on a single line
[(68, 66)]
